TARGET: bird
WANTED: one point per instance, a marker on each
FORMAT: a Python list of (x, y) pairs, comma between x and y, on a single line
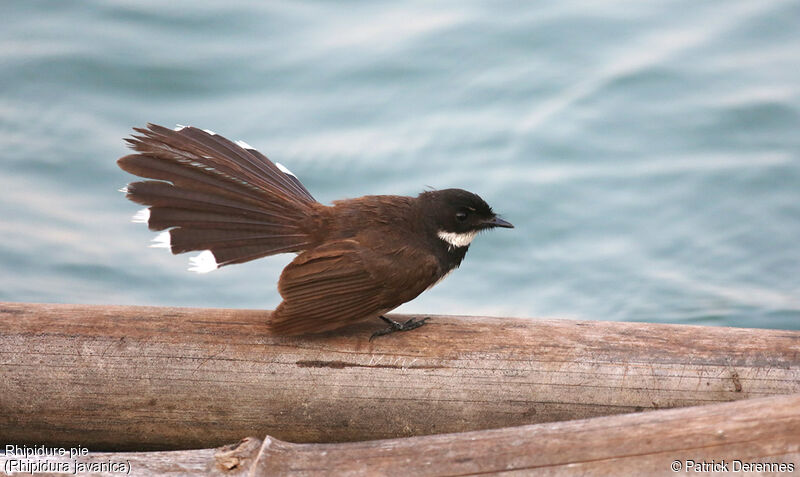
[(357, 259)]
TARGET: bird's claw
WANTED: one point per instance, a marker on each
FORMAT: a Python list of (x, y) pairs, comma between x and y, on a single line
[(397, 326)]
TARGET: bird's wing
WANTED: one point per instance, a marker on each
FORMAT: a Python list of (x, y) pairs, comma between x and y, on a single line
[(342, 282)]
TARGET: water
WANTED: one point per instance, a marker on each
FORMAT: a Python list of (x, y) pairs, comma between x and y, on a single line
[(648, 152)]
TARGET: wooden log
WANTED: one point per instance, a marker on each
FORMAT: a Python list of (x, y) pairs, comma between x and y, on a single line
[(141, 378), (717, 437)]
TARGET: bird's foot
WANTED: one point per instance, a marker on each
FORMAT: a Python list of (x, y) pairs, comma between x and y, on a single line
[(397, 326)]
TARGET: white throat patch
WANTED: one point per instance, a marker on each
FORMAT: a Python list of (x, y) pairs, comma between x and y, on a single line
[(456, 240)]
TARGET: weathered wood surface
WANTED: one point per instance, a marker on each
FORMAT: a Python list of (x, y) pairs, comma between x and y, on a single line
[(765, 430), (147, 378)]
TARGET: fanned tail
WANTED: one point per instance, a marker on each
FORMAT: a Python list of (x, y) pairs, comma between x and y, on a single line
[(214, 195)]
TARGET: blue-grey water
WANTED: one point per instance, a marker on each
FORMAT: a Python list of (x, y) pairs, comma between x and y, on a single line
[(648, 152)]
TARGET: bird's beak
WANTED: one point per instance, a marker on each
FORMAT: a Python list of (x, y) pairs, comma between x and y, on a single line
[(498, 222)]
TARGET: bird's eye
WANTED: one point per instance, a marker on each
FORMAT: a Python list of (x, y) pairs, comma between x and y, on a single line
[(461, 215)]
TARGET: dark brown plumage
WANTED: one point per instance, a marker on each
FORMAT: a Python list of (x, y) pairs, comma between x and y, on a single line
[(357, 259)]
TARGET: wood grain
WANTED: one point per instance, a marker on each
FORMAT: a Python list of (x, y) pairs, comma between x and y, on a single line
[(142, 378), (764, 430), (755, 430)]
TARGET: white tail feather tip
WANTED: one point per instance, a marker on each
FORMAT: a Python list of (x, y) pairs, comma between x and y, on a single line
[(123, 189), (162, 240), (210, 132), (244, 145), (178, 127), (203, 263), (141, 217), (284, 169)]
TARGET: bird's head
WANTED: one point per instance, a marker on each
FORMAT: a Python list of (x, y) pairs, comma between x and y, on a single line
[(459, 215)]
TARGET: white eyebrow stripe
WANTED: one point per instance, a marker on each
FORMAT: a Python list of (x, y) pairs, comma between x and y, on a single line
[(457, 240)]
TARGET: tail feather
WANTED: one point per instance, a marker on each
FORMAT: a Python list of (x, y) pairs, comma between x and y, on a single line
[(186, 240), (218, 156), (242, 254), (260, 166), (214, 194), (161, 218), (161, 194), (188, 178)]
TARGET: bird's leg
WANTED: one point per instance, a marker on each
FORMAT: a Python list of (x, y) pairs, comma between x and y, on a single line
[(397, 326)]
